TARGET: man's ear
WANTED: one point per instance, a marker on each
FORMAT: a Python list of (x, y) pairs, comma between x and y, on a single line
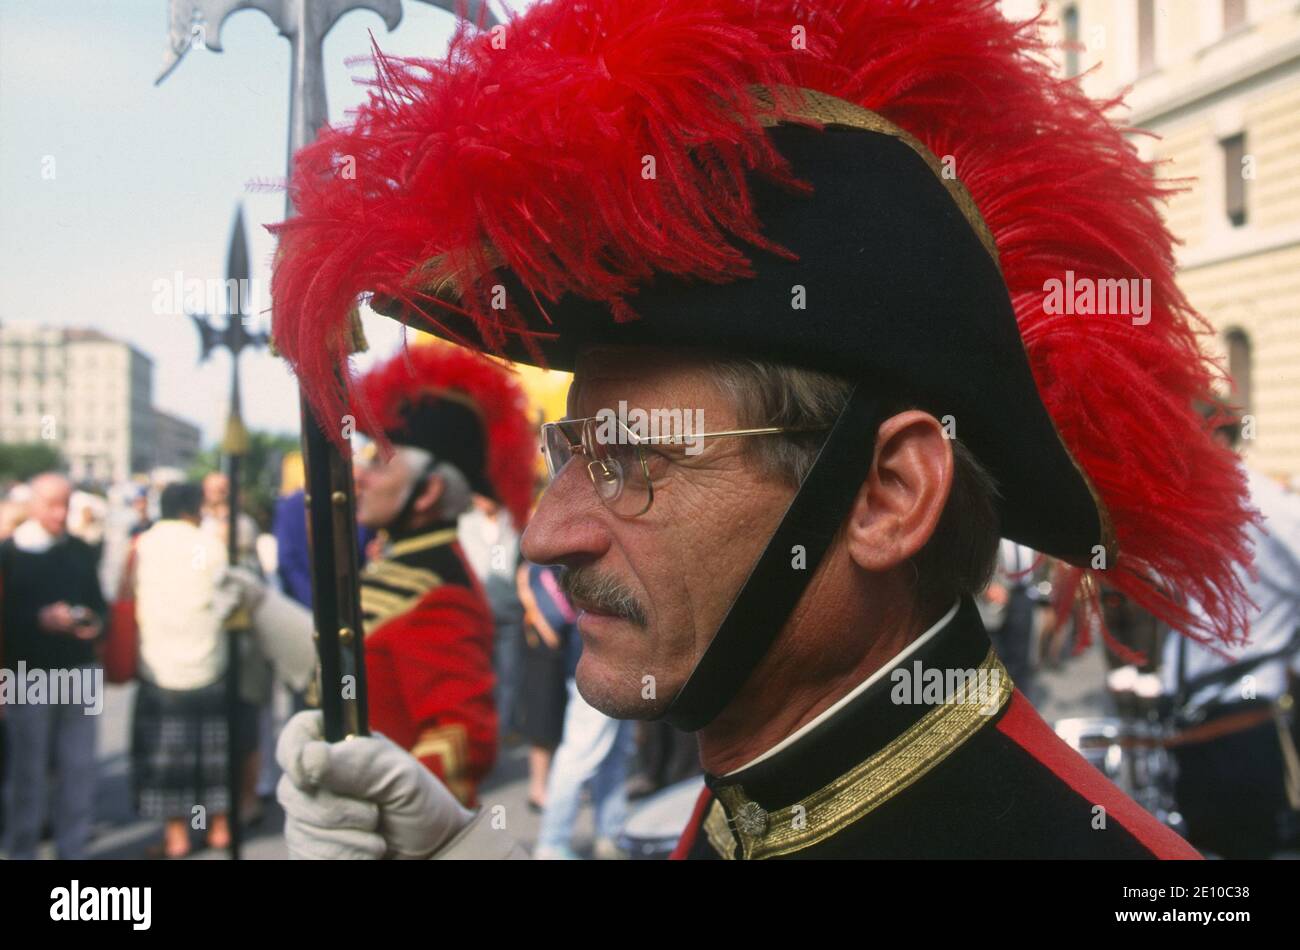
[(429, 496), (898, 506)]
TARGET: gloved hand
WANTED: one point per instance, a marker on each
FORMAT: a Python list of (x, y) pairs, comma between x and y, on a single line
[(364, 798), (282, 627), (238, 587)]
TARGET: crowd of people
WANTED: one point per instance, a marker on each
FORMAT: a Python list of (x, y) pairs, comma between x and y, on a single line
[(144, 569), (136, 569)]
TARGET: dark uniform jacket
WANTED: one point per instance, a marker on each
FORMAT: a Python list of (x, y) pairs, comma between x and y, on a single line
[(429, 657), (899, 773)]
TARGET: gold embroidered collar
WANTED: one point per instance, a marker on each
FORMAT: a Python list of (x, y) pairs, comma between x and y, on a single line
[(419, 542), (734, 818)]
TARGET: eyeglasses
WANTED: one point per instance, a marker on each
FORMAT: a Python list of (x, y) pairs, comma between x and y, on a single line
[(367, 456), (621, 467)]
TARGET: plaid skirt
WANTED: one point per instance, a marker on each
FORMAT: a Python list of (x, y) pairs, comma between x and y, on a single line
[(179, 751)]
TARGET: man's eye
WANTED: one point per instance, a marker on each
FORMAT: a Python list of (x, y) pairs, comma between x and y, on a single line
[(657, 460)]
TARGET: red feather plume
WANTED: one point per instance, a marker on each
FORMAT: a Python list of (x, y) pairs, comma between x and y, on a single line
[(530, 142), (430, 369)]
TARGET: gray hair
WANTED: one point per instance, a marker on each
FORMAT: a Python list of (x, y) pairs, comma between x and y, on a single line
[(456, 492), (960, 556)]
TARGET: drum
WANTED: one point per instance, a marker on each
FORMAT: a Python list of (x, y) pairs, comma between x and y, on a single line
[(658, 820)]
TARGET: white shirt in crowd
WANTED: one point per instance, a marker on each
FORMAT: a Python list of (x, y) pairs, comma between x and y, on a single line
[(181, 640), (490, 543), (1276, 594), (32, 538)]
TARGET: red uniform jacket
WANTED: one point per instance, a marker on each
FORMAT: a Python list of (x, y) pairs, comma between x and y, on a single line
[(429, 658)]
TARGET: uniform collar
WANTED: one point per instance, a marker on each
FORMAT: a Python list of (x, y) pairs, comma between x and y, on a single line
[(858, 690), (397, 544), (406, 570), (891, 730)]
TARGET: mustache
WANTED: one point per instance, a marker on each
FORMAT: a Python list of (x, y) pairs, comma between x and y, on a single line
[(582, 585)]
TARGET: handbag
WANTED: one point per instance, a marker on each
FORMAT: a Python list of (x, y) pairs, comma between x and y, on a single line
[(121, 645)]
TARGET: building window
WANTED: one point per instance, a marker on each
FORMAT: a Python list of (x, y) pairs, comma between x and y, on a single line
[(1146, 36), (1070, 21), (1234, 15), (1239, 368), (1234, 179)]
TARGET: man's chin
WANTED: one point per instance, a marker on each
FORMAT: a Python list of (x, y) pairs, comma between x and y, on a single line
[(619, 694)]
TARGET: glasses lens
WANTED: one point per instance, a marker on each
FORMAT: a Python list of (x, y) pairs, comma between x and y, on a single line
[(366, 457), (557, 447), (607, 474), (617, 469)]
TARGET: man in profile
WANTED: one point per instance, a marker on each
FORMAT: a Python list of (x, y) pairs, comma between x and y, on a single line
[(829, 228)]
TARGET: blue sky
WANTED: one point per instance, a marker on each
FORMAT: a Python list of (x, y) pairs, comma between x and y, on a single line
[(146, 178)]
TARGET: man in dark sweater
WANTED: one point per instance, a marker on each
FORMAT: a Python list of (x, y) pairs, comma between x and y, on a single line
[(53, 612)]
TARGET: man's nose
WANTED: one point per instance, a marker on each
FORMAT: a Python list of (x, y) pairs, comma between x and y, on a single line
[(568, 526)]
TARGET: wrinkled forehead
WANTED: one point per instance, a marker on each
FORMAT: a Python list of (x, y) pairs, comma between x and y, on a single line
[(647, 377)]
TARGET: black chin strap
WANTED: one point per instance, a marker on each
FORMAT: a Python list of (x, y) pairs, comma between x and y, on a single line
[(775, 585)]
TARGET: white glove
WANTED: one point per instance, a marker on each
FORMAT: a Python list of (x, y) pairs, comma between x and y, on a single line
[(243, 583), (281, 626), (364, 798)]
